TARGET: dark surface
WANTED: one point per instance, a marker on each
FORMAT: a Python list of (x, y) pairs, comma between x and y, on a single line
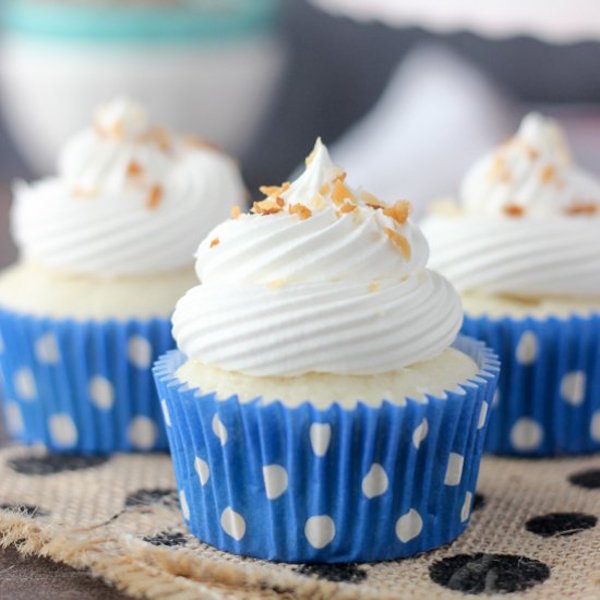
[(22, 578)]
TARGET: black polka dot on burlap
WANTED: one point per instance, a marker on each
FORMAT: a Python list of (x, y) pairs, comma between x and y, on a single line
[(560, 524), (54, 463), (346, 573), (154, 496), (25, 509), (589, 479), (478, 502), (167, 538), (488, 573)]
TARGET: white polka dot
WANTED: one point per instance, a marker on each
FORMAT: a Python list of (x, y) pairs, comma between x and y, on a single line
[(101, 392), (139, 352), (527, 348), (14, 418), (496, 399), (62, 430), (142, 433), (219, 429), (185, 508), (595, 426), (165, 412), (202, 470), (409, 526), (572, 387), (482, 415), (320, 437), (526, 434), (233, 524), (25, 384), (454, 469), (46, 349), (420, 433), (375, 482), (466, 507), (319, 531), (276, 481)]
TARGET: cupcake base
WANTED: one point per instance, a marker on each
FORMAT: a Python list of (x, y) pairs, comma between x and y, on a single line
[(548, 400), (82, 387), (335, 485)]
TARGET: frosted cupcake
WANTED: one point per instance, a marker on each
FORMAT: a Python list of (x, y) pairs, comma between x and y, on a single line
[(319, 407), (521, 245), (106, 248)]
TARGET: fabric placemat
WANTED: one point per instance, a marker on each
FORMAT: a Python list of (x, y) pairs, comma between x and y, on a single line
[(533, 534)]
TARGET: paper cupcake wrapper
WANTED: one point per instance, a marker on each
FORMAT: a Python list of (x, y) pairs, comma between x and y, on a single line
[(335, 485), (548, 399), (83, 386)]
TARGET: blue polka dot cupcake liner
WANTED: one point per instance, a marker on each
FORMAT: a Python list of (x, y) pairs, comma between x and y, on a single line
[(82, 386), (548, 399), (308, 485)]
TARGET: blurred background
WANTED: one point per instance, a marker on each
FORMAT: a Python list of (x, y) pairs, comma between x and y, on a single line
[(407, 94)]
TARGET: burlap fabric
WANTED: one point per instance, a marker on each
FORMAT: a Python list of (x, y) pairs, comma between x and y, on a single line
[(533, 534)]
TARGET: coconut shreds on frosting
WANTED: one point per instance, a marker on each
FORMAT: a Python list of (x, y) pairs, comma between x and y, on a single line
[(129, 198), (317, 277), (346, 200), (531, 174), (525, 224)]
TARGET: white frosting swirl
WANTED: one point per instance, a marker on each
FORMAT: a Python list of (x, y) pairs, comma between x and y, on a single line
[(129, 199), (527, 223), (532, 172), (331, 291)]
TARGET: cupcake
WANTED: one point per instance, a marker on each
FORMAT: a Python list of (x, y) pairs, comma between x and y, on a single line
[(106, 248), (320, 406), (521, 245)]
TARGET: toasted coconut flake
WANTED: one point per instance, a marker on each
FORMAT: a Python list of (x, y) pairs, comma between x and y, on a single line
[(371, 200), (347, 207), (499, 171), (274, 190), (155, 196), (318, 201), (582, 208), (374, 287), (214, 242), (134, 169), (270, 190), (341, 192), (161, 138), (301, 210), (235, 212), (399, 212), (532, 152), (270, 206), (548, 173), (114, 131), (325, 189), (195, 141), (513, 210), (399, 241)]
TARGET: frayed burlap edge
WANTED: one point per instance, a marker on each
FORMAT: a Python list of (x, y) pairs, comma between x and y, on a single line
[(143, 571)]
